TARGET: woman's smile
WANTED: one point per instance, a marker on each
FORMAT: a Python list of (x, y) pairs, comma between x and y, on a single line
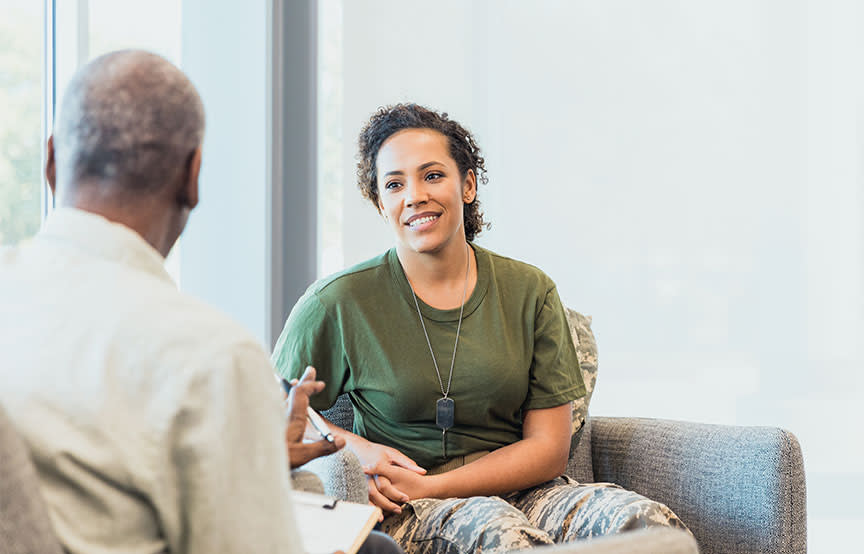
[(422, 222)]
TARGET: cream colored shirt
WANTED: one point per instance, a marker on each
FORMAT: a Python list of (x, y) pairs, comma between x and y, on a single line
[(153, 420)]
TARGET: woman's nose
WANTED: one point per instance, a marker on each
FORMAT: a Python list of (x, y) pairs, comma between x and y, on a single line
[(416, 193)]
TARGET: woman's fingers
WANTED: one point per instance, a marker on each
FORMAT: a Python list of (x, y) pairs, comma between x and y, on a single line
[(386, 487), (377, 497), (393, 457), (402, 460)]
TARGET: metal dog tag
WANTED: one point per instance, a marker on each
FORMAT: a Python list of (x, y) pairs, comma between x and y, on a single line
[(444, 413)]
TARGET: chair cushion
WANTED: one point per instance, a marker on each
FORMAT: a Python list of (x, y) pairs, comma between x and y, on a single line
[(586, 351)]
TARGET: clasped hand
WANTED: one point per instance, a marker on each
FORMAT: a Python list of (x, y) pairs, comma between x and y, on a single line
[(393, 478)]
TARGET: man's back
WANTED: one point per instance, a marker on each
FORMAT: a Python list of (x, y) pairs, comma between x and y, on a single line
[(153, 420)]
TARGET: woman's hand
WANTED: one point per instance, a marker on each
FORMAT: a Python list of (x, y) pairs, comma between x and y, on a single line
[(412, 484), (377, 459)]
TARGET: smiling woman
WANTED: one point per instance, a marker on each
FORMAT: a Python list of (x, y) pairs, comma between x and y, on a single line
[(489, 414)]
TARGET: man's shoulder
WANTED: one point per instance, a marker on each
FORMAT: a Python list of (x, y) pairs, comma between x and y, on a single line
[(178, 316)]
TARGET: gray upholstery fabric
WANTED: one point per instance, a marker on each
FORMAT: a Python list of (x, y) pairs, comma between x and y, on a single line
[(740, 490), (305, 480), (24, 524), (342, 476), (580, 466), (341, 413), (646, 541)]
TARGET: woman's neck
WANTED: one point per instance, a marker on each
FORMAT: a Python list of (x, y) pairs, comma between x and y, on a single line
[(439, 278)]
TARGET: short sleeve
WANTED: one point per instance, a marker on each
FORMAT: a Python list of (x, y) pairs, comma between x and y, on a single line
[(555, 377), (312, 337)]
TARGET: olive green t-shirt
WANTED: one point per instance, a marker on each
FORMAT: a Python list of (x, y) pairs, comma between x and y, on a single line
[(361, 331)]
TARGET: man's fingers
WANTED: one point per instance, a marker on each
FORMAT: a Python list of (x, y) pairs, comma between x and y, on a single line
[(303, 452), (308, 374), (309, 387)]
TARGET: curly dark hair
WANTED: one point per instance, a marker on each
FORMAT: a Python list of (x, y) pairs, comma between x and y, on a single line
[(463, 149)]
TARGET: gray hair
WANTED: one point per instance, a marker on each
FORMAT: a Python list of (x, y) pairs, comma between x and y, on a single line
[(129, 119)]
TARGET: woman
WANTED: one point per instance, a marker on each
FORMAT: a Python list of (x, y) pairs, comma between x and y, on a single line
[(458, 361)]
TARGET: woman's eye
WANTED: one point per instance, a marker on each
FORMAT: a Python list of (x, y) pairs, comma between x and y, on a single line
[(392, 185), (433, 176)]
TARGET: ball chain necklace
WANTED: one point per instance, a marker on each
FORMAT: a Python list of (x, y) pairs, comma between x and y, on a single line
[(444, 406)]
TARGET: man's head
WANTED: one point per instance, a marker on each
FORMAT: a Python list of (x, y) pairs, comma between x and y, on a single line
[(127, 144)]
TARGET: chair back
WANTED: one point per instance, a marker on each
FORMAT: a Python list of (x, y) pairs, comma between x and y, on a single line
[(24, 524)]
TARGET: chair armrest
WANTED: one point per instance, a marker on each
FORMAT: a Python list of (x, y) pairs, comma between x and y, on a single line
[(645, 541), (342, 476), (304, 480), (739, 489)]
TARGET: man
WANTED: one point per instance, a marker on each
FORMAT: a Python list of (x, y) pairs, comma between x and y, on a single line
[(154, 421)]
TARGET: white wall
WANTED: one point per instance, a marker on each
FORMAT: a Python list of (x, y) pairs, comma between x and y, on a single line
[(690, 175), (225, 257)]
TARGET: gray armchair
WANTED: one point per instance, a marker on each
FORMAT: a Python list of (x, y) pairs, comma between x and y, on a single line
[(24, 524), (740, 490)]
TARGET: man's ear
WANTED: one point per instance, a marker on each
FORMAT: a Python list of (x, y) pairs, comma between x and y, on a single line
[(50, 165), (469, 187), (189, 188)]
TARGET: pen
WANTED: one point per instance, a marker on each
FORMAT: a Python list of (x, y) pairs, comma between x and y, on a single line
[(316, 420)]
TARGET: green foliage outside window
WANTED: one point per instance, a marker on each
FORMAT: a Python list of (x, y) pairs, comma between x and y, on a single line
[(20, 119)]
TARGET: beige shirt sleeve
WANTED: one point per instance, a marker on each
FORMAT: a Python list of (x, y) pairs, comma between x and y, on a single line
[(226, 486)]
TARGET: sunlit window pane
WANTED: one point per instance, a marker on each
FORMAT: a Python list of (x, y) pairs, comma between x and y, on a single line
[(330, 143), (153, 25), (20, 119), (87, 29)]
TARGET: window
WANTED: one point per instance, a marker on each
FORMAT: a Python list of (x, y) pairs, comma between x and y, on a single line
[(330, 171), (20, 111), (86, 29)]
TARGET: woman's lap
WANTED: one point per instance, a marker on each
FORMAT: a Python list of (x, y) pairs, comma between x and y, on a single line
[(558, 511), (568, 511), (459, 525)]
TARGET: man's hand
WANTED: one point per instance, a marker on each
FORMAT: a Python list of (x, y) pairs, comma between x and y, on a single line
[(297, 401)]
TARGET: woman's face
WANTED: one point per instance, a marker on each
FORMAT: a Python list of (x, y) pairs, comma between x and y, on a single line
[(420, 190)]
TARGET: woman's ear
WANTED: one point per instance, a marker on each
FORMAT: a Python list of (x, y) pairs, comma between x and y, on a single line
[(469, 187)]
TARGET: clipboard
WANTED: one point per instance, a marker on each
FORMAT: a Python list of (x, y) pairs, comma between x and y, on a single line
[(327, 524)]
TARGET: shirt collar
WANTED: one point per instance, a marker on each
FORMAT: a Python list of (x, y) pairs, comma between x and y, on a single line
[(99, 237)]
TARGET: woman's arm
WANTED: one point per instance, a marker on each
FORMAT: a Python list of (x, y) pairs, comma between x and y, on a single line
[(540, 456)]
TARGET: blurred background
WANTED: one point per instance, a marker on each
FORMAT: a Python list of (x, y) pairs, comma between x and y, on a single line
[(689, 173)]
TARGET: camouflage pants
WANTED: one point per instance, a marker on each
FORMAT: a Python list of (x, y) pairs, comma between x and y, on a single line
[(560, 510)]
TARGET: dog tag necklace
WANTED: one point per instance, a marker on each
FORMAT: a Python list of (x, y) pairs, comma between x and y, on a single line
[(444, 406)]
